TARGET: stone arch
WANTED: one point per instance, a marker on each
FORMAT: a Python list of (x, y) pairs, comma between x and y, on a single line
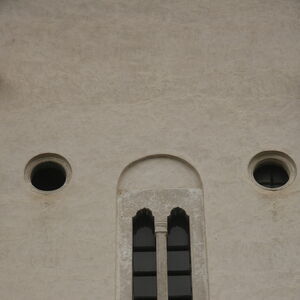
[(161, 183), (156, 172)]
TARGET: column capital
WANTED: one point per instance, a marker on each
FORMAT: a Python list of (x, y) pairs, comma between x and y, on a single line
[(161, 227)]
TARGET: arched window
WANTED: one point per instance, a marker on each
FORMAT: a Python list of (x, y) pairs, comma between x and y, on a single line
[(179, 256), (144, 256), (161, 231)]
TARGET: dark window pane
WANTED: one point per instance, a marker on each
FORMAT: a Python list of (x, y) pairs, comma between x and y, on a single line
[(271, 175), (179, 261), (144, 262), (280, 177), (144, 256), (178, 237), (178, 229), (144, 237), (262, 176), (144, 286), (48, 176), (179, 257), (143, 230), (180, 286)]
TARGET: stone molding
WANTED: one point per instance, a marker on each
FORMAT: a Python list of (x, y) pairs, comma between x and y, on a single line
[(161, 202)]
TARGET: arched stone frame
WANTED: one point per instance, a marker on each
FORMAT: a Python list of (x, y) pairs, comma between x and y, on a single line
[(178, 186)]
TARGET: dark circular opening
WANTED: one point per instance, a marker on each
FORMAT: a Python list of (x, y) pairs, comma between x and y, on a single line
[(48, 176), (271, 175)]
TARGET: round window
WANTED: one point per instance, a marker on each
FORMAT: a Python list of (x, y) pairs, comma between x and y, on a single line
[(48, 176), (47, 172), (271, 175), (272, 170)]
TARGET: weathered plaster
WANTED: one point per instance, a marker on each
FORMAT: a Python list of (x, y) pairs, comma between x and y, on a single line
[(105, 82)]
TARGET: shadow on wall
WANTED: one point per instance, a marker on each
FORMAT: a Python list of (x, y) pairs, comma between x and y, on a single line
[(157, 172)]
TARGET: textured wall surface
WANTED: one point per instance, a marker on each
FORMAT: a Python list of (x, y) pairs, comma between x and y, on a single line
[(106, 82)]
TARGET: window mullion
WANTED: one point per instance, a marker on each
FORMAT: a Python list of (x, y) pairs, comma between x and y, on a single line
[(161, 229)]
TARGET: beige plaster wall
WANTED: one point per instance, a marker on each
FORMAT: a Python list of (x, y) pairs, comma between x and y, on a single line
[(104, 83)]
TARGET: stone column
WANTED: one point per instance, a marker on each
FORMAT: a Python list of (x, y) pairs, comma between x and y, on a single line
[(161, 229)]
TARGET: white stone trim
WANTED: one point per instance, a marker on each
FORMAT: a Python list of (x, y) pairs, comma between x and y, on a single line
[(161, 202)]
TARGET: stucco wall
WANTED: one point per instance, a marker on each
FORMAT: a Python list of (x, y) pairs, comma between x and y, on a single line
[(104, 83)]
